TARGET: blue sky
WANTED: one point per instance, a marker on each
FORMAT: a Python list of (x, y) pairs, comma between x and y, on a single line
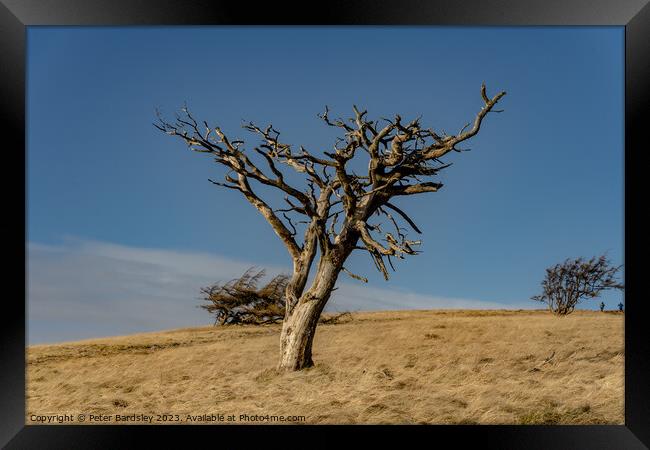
[(123, 226)]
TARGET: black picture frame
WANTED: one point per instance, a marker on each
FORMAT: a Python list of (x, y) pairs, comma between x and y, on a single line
[(16, 15)]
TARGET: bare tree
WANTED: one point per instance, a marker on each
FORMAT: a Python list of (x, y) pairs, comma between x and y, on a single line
[(568, 283), (240, 301), (338, 211)]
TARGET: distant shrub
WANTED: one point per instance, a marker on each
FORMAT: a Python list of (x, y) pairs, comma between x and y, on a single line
[(602, 306), (567, 283)]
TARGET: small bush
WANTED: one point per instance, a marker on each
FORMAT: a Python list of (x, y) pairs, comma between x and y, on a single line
[(240, 301)]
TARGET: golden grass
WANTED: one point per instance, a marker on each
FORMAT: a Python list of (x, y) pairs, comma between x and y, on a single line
[(436, 367)]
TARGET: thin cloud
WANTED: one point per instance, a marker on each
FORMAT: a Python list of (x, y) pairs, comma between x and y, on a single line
[(82, 289), (360, 297)]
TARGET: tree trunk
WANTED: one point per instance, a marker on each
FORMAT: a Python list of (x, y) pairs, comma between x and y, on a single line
[(297, 337), (299, 326)]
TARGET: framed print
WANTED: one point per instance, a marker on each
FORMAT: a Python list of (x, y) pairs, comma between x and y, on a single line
[(354, 218)]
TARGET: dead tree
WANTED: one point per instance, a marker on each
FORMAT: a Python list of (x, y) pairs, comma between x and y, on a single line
[(568, 283), (337, 211)]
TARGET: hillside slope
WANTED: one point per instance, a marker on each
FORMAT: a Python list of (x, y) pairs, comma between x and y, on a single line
[(439, 367)]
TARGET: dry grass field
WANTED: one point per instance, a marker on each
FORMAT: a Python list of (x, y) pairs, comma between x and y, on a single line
[(434, 367)]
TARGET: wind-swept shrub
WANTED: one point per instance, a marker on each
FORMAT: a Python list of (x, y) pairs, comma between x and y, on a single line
[(241, 301), (567, 283)]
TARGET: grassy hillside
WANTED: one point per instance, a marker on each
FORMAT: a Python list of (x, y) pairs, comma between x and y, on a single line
[(438, 367)]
